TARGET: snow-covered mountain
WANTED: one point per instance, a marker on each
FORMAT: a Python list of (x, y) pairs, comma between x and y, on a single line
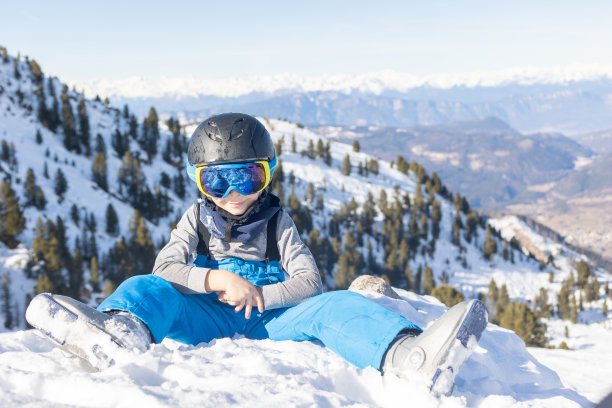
[(376, 83), (571, 100), (500, 372)]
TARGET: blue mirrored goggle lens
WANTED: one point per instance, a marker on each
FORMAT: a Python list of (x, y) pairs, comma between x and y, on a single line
[(218, 181)]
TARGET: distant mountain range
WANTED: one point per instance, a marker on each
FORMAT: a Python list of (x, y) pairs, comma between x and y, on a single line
[(492, 163), (573, 100)]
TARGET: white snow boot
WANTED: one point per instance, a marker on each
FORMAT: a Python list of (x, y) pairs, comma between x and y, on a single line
[(442, 348), (85, 332)]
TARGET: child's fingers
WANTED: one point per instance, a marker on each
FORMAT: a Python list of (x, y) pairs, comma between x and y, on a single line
[(247, 310), (260, 302), (239, 306)]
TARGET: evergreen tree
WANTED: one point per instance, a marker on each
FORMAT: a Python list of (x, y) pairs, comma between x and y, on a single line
[(563, 301), (69, 124), (436, 216), (84, 131), (416, 281), (419, 200), (368, 214), (16, 71), (131, 177), (133, 132), (75, 276), (604, 308), (120, 143), (372, 166), (327, 158), (310, 152), (293, 144), (74, 214), (6, 302), (300, 216), (319, 247), (346, 165), (493, 293), (12, 221), (109, 288), (542, 305), (53, 113), (320, 149), (33, 193), (428, 281), (349, 263), (141, 244), (44, 285), (526, 324), (100, 145), (60, 185), (356, 146), (179, 184), (424, 228), (490, 246), (43, 112), (471, 224), (345, 274), (112, 221), (150, 134), (408, 276), (119, 263), (447, 295), (94, 274), (455, 231), (502, 301), (583, 272), (36, 72), (99, 171)]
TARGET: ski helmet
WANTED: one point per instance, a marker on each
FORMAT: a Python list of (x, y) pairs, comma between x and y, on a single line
[(230, 138)]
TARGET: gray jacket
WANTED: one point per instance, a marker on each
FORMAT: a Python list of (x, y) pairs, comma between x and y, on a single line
[(174, 261)]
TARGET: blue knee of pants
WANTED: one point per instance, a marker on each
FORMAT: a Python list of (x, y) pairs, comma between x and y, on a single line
[(346, 322)]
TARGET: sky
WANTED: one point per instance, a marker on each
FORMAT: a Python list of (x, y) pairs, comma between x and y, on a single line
[(83, 40)]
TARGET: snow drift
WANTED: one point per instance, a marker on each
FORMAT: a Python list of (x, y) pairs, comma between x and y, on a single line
[(241, 372)]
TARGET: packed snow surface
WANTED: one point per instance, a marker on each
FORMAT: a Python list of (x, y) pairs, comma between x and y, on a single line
[(241, 372)]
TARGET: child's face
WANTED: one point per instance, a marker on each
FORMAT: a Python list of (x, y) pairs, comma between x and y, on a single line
[(235, 203)]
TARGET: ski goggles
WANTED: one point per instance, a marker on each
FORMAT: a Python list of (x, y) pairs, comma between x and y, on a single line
[(219, 180)]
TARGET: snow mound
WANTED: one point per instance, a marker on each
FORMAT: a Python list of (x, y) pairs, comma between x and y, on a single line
[(241, 372)]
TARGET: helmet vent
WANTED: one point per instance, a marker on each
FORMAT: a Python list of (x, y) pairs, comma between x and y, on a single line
[(213, 132), (237, 129)]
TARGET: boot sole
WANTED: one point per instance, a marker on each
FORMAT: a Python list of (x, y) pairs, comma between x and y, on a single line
[(464, 342), (67, 323)]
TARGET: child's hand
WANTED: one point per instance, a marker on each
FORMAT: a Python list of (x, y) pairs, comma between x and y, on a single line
[(235, 291)]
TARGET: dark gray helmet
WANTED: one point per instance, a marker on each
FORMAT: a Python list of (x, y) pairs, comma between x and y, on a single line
[(230, 138)]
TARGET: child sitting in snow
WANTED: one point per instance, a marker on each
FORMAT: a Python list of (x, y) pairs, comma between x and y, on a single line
[(252, 275)]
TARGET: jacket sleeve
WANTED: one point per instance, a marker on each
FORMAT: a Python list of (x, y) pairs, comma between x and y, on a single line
[(297, 260), (172, 262)]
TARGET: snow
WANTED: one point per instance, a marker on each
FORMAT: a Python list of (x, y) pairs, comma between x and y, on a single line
[(262, 373)]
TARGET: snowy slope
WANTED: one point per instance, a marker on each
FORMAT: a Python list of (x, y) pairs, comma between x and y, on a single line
[(239, 372)]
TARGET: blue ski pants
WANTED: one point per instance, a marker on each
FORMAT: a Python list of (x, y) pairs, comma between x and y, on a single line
[(351, 325)]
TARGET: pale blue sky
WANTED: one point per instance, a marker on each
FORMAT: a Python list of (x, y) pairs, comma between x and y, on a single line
[(78, 40)]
